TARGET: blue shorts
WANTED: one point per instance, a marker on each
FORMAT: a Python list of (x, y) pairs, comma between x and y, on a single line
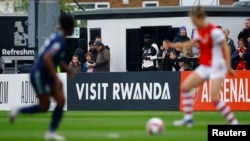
[(41, 82)]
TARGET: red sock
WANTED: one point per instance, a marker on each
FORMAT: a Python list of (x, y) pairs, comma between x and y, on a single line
[(187, 105), (225, 111)]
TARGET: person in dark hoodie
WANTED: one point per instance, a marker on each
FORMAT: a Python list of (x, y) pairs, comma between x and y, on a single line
[(81, 50), (92, 49), (181, 37)]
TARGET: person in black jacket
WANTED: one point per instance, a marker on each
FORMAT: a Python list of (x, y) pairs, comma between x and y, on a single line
[(173, 65), (149, 55), (181, 37), (245, 36), (165, 56), (81, 50), (230, 41), (92, 49)]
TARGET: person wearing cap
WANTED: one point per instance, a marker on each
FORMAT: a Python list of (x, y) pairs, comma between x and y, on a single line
[(182, 37), (103, 58), (149, 54)]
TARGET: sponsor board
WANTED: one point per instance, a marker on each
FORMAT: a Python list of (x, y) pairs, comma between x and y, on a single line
[(234, 91), (16, 90), (14, 36), (124, 91)]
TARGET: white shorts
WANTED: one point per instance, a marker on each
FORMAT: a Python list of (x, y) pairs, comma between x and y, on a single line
[(212, 72)]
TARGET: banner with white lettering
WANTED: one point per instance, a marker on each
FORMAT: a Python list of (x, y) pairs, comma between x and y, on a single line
[(124, 91), (16, 90), (234, 91), (14, 36)]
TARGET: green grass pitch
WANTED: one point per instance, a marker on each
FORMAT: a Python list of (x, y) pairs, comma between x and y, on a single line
[(111, 126)]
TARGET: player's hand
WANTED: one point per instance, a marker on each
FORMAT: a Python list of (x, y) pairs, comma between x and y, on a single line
[(231, 72)]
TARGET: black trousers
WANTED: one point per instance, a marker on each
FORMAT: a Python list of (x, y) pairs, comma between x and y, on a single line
[(149, 69)]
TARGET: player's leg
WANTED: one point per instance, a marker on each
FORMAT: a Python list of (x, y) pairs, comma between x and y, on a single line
[(43, 106), (39, 86), (221, 106), (193, 80), (57, 94)]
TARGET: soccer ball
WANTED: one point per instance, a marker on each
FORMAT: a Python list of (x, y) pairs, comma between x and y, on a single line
[(155, 126)]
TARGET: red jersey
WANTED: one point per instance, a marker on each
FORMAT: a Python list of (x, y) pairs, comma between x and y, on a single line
[(242, 63), (209, 40)]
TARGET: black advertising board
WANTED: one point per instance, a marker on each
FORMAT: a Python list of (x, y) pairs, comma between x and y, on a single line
[(124, 91), (14, 36)]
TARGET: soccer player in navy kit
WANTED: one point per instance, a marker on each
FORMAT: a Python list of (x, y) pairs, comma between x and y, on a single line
[(44, 78)]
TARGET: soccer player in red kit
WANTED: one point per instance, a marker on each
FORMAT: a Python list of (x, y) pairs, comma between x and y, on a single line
[(215, 63)]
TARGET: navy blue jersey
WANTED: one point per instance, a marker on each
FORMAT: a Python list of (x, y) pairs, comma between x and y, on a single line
[(55, 45), (41, 79)]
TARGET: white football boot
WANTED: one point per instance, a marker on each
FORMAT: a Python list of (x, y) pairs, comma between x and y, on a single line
[(182, 122), (13, 114), (49, 136)]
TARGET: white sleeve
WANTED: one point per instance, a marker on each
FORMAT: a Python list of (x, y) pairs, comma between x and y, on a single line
[(156, 47), (196, 36), (217, 36)]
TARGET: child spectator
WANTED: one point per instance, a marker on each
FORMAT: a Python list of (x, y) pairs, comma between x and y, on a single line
[(238, 56), (89, 65), (173, 65), (75, 64)]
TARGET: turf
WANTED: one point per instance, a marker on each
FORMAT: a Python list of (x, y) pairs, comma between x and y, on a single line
[(111, 126)]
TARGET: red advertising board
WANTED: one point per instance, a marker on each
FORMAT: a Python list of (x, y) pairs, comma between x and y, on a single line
[(234, 91)]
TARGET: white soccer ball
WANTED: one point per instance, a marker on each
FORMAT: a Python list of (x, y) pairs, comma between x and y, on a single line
[(155, 126)]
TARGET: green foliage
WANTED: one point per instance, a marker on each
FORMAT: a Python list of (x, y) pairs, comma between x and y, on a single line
[(20, 6)]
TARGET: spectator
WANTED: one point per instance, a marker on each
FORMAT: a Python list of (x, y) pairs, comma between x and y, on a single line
[(81, 50), (89, 65), (165, 55), (149, 55), (245, 36), (92, 49), (230, 41), (75, 65), (173, 65), (245, 33), (181, 37), (187, 65), (103, 58), (238, 56), (99, 39)]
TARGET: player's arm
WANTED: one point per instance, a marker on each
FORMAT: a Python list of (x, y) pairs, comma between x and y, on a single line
[(186, 44), (48, 61), (65, 67)]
